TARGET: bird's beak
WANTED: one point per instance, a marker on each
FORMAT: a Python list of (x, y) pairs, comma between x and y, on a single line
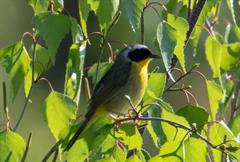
[(154, 56)]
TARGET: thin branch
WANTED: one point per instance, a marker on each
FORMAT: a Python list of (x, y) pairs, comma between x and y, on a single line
[(175, 124), (48, 83), (27, 147), (181, 77), (51, 151), (31, 88), (55, 156)]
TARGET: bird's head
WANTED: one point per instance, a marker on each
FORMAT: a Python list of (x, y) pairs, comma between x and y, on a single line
[(139, 54)]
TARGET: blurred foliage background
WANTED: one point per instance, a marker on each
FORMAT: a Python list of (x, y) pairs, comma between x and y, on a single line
[(16, 18)]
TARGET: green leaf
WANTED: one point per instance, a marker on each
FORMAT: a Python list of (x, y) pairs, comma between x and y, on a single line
[(130, 136), (215, 95), (198, 28), (234, 7), (166, 106), (169, 152), (84, 10), (74, 71), (181, 27), (234, 125), (133, 158), (76, 31), (42, 60), (196, 116), (105, 11), (167, 40), (134, 10), (194, 150), (232, 34), (217, 133), (119, 154), (108, 159), (171, 133), (152, 134), (16, 63), (155, 88), (157, 125), (12, 146), (213, 51), (53, 28), (79, 152), (102, 69), (98, 129), (59, 111), (230, 56), (38, 6)]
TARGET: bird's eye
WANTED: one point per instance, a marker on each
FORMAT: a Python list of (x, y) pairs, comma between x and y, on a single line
[(139, 54)]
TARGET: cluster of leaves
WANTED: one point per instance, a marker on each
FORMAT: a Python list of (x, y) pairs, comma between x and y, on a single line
[(198, 134)]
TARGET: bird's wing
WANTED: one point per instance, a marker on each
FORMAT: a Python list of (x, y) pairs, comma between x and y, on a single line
[(109, 85)]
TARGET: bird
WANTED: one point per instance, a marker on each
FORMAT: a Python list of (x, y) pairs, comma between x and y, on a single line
[(128, 76)]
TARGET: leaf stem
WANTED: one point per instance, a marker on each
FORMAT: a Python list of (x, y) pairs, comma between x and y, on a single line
[(27, 147)]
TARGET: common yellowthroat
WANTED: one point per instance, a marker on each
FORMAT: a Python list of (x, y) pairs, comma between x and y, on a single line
[(127, 76)]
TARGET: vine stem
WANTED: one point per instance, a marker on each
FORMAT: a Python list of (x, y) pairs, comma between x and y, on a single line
[(31, 88)]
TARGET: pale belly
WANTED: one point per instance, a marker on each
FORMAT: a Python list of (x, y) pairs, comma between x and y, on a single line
[(135, 89)]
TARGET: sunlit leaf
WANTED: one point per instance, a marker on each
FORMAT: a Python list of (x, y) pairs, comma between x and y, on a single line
[(98, 129), (74, 70), (79, 152), (181, 27), (194, 150), (52, 28), (133, 158), (156, 84), (219, 132), (108, 159), (12, 146), (207, 10), (235, 125), (105, 11), (40, 6), (230, 56), (134, 9), (119, 154), (129, 135), (167, 40), (171, 133), (196, 116), (170, 151), (59, 111), (215, 94), (16, 63), (213, 50)]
